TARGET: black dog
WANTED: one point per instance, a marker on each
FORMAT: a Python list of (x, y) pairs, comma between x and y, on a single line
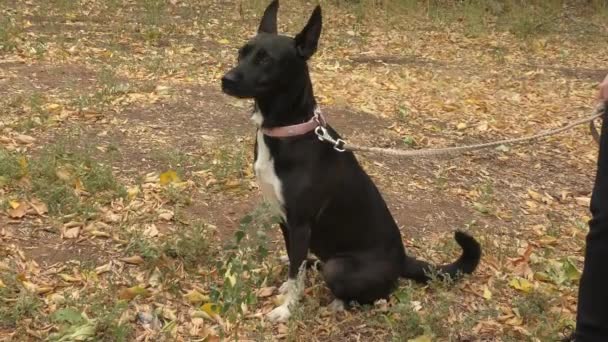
[(329, 205)]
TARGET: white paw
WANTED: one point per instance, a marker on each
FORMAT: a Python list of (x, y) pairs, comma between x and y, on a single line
[(284, 259), (336, 306), (285, 287), (279, 314)]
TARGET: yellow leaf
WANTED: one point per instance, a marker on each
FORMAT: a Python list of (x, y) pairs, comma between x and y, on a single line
[(486, 293), (211, 309), (421, 338), (195, 297), (14, 204), (23, 164), (29, 286), (132, 192), (132, 292), (44, 289), (223, 41), (169, 177), (521, 284)]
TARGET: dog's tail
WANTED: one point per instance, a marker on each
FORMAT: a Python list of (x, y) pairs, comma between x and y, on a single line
[(422, 271)]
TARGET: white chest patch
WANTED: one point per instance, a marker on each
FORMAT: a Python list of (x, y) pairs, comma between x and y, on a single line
[(268, 181)]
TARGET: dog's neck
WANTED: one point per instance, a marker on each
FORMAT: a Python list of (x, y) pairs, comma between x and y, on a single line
[(293, 105)]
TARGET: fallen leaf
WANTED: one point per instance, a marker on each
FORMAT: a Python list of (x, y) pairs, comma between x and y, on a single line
[(103, 269), (166, 215), (572, 273), (18, 212), (63, 174), (39, 206), (266, 291), (211, 311), (134, 260), (521, 284), (486, 293), (421, 338), (132, 292), (72, 233), (195, 297), (24, 139), (69, 278), (132, 192), (169, 177), (68, 315), (151, 230), (583, 201), (29, 286), (155, 278)]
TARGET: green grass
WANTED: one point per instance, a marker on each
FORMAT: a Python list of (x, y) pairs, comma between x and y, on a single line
[(190, 245), (57, 174), (9, 32)]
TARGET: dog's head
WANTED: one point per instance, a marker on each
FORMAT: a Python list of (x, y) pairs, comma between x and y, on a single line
[(269, 62)]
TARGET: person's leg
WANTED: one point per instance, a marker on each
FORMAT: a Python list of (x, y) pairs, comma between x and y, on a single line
[(592, 316)]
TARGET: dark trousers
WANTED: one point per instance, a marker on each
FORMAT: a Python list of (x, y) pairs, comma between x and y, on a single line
[(592, 317)]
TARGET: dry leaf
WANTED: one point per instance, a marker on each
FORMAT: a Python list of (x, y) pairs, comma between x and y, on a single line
[(421, 338), (266, 291), (151, 230), (18, 212), (583, 201), (103, 269), (72, 233), (166, 215), (40, 207), (69, 278), (24, 139), (63, 174), (133, 260)]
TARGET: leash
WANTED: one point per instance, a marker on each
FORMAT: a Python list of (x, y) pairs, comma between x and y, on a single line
[(341, 145)]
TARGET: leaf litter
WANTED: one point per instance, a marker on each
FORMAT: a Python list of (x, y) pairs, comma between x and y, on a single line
[(430, 87)]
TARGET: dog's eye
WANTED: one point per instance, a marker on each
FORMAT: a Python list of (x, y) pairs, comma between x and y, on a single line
[(244, 51)]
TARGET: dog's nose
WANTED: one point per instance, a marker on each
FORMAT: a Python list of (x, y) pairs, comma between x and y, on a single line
[(230, 79)]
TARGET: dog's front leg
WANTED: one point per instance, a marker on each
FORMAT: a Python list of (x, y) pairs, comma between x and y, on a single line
[(299, 238)]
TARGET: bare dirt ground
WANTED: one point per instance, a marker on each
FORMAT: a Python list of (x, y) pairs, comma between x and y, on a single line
[(130, 211)]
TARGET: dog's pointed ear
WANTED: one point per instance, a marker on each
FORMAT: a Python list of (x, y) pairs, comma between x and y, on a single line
[(269, 19), (308, 39)]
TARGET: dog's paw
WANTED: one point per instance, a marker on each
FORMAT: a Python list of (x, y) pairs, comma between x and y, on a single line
[(285, 287), (279, 314), (336, 306)]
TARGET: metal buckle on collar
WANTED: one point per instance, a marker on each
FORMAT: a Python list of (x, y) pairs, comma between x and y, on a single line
[(323, 135)]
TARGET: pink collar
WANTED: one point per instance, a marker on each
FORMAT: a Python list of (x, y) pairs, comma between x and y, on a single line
[(299, 129)]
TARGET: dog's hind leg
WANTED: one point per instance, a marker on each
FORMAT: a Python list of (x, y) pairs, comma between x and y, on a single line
[(361, 279)]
